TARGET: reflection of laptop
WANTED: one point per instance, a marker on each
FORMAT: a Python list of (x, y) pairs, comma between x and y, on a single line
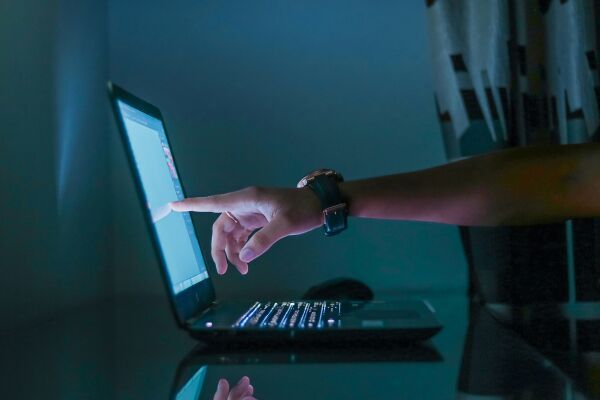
[(192, 388), (193, 382), (184, 270)]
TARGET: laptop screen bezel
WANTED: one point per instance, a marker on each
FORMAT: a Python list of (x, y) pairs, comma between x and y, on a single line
[(198, 297)]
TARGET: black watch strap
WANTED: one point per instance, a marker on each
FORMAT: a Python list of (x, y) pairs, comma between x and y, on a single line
[(327, 191), (335, 211)]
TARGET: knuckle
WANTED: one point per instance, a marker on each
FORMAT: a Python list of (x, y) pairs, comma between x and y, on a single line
[(250, 190), (215, 226), (261, 241), (217, 257), (255, 192)]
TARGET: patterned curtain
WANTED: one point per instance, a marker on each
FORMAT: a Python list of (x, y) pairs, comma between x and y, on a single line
[(517, 73)]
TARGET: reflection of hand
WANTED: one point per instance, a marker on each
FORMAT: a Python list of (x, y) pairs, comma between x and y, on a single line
[(277, 212), (242, 391)]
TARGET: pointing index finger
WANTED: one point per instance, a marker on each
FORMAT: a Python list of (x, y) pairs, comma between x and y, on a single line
[(216, 204)]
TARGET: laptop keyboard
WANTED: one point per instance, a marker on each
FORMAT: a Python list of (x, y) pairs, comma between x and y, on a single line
[(286, 315)]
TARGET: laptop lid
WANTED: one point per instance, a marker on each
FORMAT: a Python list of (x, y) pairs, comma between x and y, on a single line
[(175, 241)]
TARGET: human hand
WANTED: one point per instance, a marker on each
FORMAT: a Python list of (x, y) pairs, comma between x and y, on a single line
[(276, 212), (243, 390)]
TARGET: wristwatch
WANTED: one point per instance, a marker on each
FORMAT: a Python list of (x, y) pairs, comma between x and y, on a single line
[(324, 183)]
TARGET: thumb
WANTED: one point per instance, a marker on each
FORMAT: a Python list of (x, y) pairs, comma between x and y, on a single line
[(262, 240)]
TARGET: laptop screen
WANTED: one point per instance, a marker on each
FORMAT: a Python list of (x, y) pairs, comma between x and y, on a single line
[(160, 183)]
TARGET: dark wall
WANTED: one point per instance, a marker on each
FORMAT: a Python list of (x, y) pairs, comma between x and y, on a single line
[(259, 93), (55, 215)]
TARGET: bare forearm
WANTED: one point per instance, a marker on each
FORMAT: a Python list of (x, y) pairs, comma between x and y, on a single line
[(521, 186)]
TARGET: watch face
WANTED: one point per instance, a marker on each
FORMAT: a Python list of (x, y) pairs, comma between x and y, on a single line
[(318, 172)]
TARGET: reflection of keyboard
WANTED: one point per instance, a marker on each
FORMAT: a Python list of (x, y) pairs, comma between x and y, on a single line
[(301, 314)]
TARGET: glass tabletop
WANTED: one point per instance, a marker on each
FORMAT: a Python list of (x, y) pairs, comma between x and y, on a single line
[(132, 349)]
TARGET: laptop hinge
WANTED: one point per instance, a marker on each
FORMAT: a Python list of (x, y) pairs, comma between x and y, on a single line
[(191, 321)]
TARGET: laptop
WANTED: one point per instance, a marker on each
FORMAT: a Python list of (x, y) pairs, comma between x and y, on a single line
[(186, 277)]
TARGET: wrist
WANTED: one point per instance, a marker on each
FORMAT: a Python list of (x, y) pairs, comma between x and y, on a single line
[(351, 194), (374, 198)]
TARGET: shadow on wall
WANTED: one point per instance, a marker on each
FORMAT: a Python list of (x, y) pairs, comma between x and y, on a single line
[(54, 234)]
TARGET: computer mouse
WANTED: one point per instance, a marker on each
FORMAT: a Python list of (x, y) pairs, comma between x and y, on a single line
[(339, 289)]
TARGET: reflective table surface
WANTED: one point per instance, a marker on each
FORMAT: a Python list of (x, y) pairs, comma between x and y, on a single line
[(132, 349)]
